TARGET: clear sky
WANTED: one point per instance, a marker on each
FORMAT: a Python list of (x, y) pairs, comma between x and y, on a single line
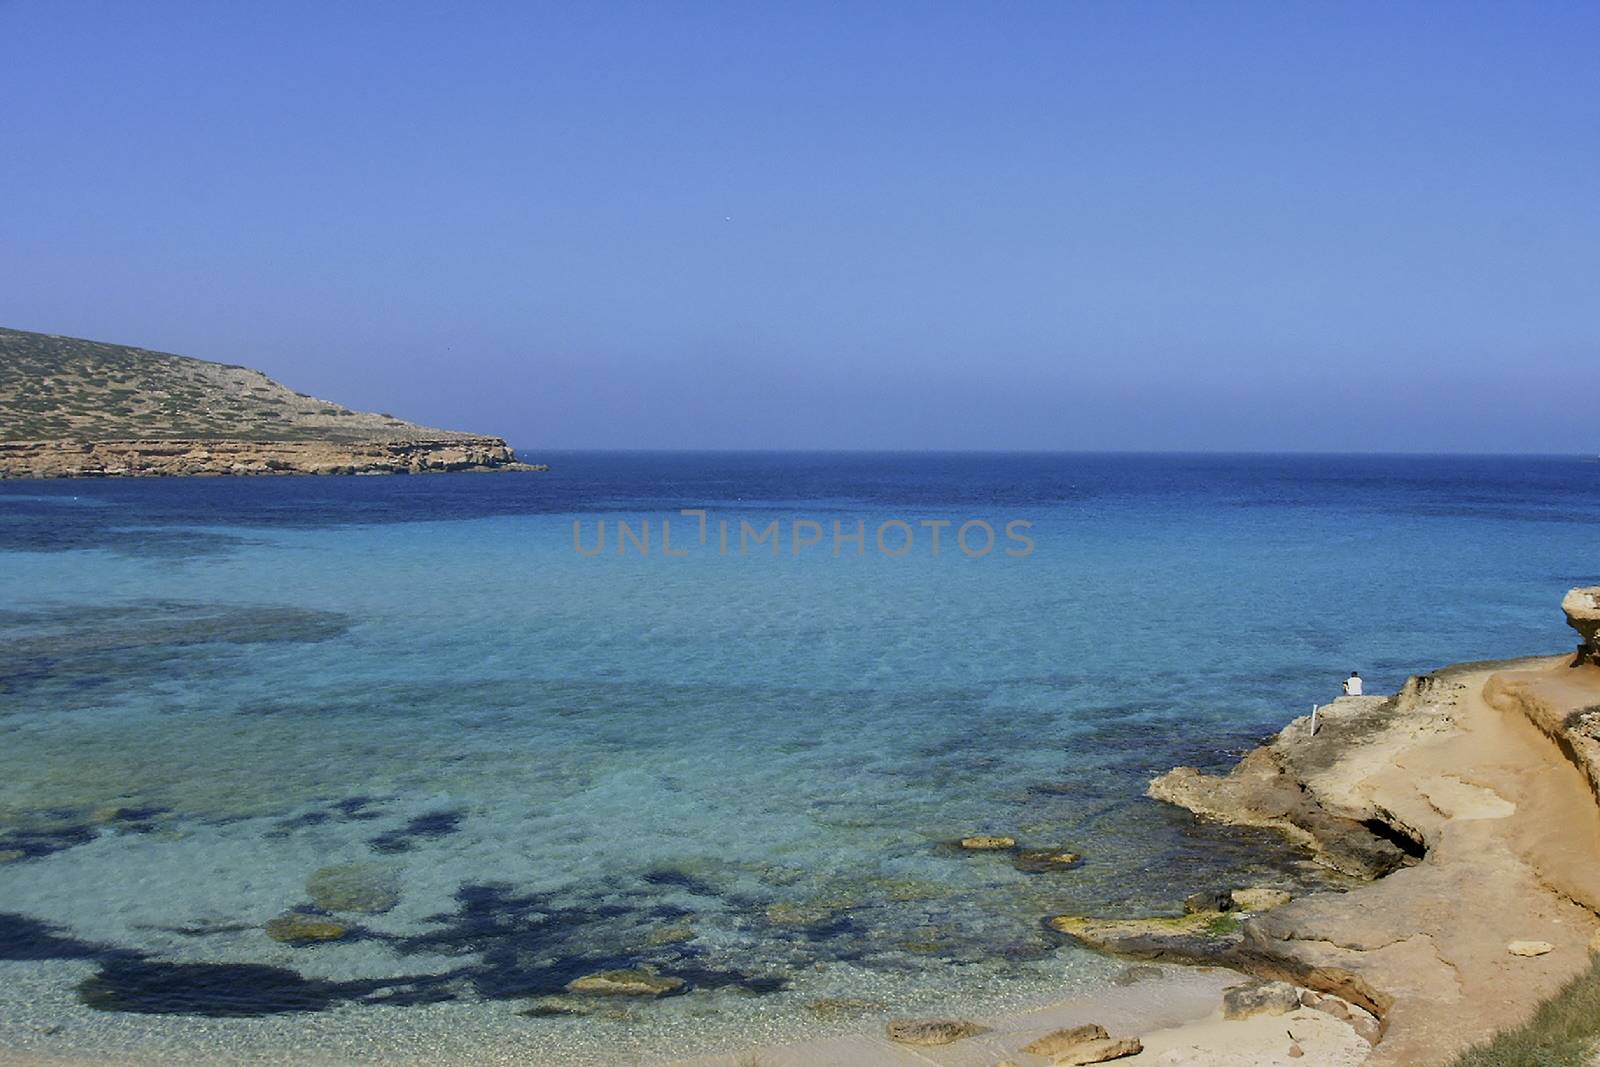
[(1117, 225)]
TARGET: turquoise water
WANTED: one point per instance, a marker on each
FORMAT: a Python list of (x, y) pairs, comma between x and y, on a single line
[(742, 771)]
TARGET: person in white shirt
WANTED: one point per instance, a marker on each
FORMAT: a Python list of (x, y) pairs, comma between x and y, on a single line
[(1352, 685)]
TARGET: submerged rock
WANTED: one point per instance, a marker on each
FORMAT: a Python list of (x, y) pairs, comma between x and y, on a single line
[(930, 1031), (1038, 860), (672, 935), (299, 928), (987, 843), (799, 913), (907, 890), (631, 982), (1259, 998), (1201, 937), (566, 1004), (360, 887), (928, 940), (11, 855)]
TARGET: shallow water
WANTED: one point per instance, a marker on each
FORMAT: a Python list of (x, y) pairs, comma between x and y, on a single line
[(744, 771)]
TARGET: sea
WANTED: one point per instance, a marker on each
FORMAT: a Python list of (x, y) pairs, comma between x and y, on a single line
[(369, 769)]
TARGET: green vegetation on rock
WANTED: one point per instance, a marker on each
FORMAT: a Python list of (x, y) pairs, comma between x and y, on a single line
[(66, 389), (1564, 1032)]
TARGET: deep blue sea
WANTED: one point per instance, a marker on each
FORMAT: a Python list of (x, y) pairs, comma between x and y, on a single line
[(743, 768)]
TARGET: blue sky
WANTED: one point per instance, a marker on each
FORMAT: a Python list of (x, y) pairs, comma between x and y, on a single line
[(1215, 225)]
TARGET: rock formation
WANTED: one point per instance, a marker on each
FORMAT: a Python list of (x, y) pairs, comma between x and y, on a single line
[(134, 459), (1583, 615), (299, 928), (1271, 786), (1469, 800), (1259, 997), (631, 982)]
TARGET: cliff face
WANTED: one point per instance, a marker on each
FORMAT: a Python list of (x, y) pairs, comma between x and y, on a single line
[(114, 459), (75, 408)]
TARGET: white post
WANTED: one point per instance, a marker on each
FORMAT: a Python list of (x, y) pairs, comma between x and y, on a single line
[(1314, 720)]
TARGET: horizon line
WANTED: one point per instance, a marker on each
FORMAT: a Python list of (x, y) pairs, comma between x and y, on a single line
[(1328, 453)]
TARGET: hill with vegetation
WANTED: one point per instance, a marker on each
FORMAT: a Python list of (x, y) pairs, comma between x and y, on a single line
[(74, 407)]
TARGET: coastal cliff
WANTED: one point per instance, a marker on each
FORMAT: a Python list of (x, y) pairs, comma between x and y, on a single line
[(75, 408), (1468, 804)]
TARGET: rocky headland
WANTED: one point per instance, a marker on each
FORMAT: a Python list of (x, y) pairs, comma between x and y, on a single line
[(1463, 814), (75, 408), (1468, 803)]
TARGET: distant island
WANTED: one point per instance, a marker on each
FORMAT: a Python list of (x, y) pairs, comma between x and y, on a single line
[(75, 408)]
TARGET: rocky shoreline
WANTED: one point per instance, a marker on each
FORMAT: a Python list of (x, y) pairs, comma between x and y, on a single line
[(158, 458), (1466, 802), (1467, 809)]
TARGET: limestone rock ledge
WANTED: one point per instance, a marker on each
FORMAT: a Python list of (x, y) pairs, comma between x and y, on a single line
[(1277, 785), (1477, 833), (151, 458)]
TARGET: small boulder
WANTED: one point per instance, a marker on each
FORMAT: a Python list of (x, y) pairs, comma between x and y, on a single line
[(1058, 1041), (1099, 1051), (1326, 1003), (1083, 1044), (561, 1004), (930, 1031), (988, 843), (1259, 998), (631, 982), (1530, 948), (1360, 1019), (1209, 900), (1040, 860), (671, 935), (298, 928), (1260, 898)]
